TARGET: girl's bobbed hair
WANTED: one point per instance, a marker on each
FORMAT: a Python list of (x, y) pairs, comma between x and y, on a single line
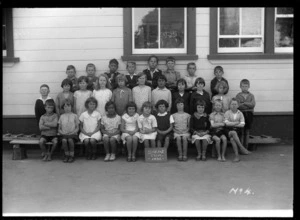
[(161, 102), (109, 103), (67, 82), (90, 99), (146, 105), (131, 104)]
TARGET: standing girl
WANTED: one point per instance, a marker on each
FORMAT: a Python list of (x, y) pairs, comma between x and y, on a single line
[(102, 93), (90, 128), (81, 95), (66, 94), (181, 129), (222, 89), (181, 93), (217, 129), (200, 126), (110, 127), (147, 124), (235, 121), (68, 127), (141, 93), (129, 128)]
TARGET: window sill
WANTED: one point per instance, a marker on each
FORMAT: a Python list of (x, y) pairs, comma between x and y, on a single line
[(160, 57), (254, 56), (11, 59)]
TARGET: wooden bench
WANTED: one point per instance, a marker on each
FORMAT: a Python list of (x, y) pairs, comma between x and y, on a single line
[(262, 139)]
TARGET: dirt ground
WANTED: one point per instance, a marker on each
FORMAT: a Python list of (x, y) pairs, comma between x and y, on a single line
[(260, 181)]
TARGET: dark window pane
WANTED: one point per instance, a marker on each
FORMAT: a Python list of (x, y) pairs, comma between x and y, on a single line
[(284, 33), (250, 42), (229, 21), (228, 42), (145, 28), (172, 28), (285, 10)]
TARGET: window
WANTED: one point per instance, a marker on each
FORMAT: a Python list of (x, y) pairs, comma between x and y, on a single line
[(284, 30), (251, 33), (160, 31), (7, 36), (240, 30)]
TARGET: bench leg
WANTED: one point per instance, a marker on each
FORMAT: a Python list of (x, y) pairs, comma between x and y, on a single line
[(19, 152)]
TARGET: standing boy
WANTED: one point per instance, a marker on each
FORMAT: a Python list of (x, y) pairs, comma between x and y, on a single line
[(132, 77), (39, 107), (171, 75), (218, 71), (246, 103), (112, 74)]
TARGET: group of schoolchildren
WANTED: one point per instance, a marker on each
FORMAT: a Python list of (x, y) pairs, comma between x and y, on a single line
[(153, 107)]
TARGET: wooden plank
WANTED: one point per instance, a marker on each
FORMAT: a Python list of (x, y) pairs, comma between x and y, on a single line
[(68, 33), (67, 22), (24, 142)]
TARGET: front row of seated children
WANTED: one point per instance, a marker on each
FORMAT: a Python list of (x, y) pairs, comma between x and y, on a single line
[(152, 130)]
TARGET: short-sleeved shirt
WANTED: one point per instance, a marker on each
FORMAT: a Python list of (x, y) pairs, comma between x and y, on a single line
[(81, 97), (181, 121), (147, 122), (68, 122), (111, 124), (90, 122), (130, 121), (52, 118)]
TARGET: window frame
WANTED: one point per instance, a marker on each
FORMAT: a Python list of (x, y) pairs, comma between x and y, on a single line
[(269, 48), (190, 39), (10, 56)]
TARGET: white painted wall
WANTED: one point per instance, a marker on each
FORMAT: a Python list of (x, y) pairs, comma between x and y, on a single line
[(48, 39)]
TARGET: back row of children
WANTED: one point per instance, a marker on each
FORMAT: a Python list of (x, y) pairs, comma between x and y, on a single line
[(150, 86)]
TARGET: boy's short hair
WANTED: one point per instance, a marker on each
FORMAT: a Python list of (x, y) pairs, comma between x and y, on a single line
[(108, 104), (83, 78), (90, 65), (121, 77), (71, 67), (191, 64), (90, 99), (162, 102), (181, 80), (67, 102), (199, 80), (170, 59), (45, 85), (151, 56), (141, 74), (131, 104), (245, 81), (67, 82), (218, 68), (222, 83), (114, 61), (162, 77), (132, 62), (146, 105), (233, 100), (50, 102), (179, 100)]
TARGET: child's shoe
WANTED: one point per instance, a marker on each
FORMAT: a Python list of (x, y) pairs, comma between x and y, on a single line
[(128, 159), (133, 159), (112, 157), (107, 157), (198, 157), (49, 157), (94, 157), (66, 158), (219, 158), (179, 158), (71, 159), (184, 158), (203, 158)]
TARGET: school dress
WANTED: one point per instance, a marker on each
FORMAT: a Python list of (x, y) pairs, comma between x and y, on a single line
[(149, 123), (200, 124), (121, 97), (111, 125), (213, 84), (81, 97), (197, 96), (130, 124), (181, 121), (90, 123), (68, 122), (164, 121), (186, 97), (153, 76), (217, 117), (102, 96), (141, 94), (61, 99)]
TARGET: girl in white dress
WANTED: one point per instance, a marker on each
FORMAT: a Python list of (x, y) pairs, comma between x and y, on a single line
[(102, 93), (148, 125), (129, 128), (141, 93), (90, 128), (81, 95)]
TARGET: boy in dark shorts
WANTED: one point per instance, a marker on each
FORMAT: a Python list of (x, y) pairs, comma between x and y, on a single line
[(246, 103), (48, 127)]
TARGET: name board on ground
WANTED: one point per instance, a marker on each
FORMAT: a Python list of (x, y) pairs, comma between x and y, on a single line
[(155, 155)]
